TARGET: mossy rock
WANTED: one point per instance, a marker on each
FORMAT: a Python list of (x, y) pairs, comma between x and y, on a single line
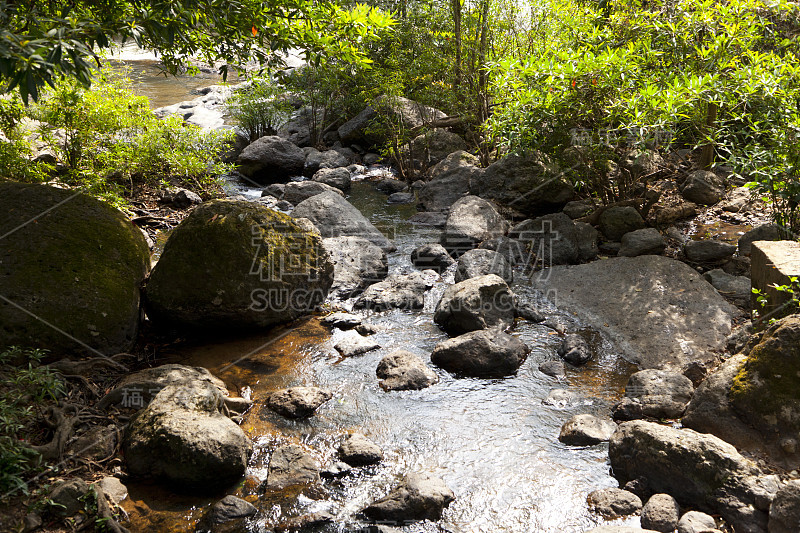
[(71, 268), (238, 265), (766, 391)]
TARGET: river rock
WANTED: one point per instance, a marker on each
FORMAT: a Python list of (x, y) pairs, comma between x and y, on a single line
[(342, 321), (435, 145), (554, 369), (357, 264), (660, 393), (398, 291), (71, 271), (396, 109), (703, 187), (113, 488), (447, 187), (552, 237), (402, 370), (296, 191), (708, 251), (335, 177), (271, 159), (661, 513), (418, 497), (527, 183), (477, 262), (431, 256), (298, 402), (614, 503), (326, 160), (483, 353), (401, 198), (471, 221), (586, 430), (736, 288), (426, 218), (477, 303), (236, 265), (528, 311), (696, 522), (290, 465), (183, 438), (390, 186), (336, 217), (306, 522), (454, 160), (659, 312), (784, 514), (230, 508), (617, 221), (642, 242), (357, 450), (700, 470), (275, 190), (355, 344), (515, 251), (575, 350), (765, 232)]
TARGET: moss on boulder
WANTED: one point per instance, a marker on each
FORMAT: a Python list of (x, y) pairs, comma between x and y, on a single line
[(71, 268), (238, 265)]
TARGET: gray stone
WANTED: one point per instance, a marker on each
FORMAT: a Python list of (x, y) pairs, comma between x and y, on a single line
[(642, 242), (398, 291), (342, 321), (66, 497), (614, 503), (336, 470), (329, 159), (483, 353), (471, 221), (617, 221), (354, 344), (397, 109), (586, 430), (290, 465), (528, 311), (552, 238), (586, 238), (437, 220), (271, 159), (477, 303), (431, 256), (230, 508), (336, 217), (708, 251), (658, 312), (367, 329), (703, 187), (738, 200), (765, 232), (661, 393), (784, 513), (434, 146), (773, 264), (402, 370), (554, 369), (357, 264), (735, 288), (515, 251), (646, 164), (298, 402), (453, 161), (297, 191), (619, 529), (113, 488), (446, 188), (357, 450), (306, 522), (335, 177), (401, 198), (696, 522), (661, 513), (274, 190), (575, 350), (478, 262), (390, 186), (418, 497), (578, 208)]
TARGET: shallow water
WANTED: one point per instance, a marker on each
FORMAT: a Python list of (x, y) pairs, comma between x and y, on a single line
[(491, 440)]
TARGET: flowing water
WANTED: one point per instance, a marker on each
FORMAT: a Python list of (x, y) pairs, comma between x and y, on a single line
[(492, 441)]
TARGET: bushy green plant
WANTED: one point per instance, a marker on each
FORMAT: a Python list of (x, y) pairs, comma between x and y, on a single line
[(259, 108)]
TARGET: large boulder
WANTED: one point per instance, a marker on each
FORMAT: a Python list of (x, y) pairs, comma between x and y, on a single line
[(458, 159), (699, 470), (366, 126), (435, 145), (296, 191), (481, 262), (482, 353), (336, 217), (402, 370), (237, 265), (471, 221), (736, 289), (335, 177), (703, 187), (659, 312), (477, 303), (418, 497), (525, 183), (660, 393), (183, 438), (271, 159), (708, 251), (71, 271), (448, 186), (765, 232), (553, 238), (586, 430), (357, 264), (328, 159), (398, 291)]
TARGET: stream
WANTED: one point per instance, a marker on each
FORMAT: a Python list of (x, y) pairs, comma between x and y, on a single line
[(492, 441)]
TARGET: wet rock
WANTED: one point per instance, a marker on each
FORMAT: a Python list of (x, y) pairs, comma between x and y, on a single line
[(398, 291), (402, 370), (326, 160), (661, 393), (436, 219), (334, 177), (696, 522), (446, 188), (555, 369), (471, 221), (183, 438), (418, 497), (526, 183), (343, 321), (367, 329), (355, 344), (336, 217), (614, 503), (476, 263), (527, 311), (308, 522), (289, 465), (477, 303), (216, 274), (703, 187), (357, 264), (784, 513), (65, 497), (401, 198), (275, 190), (483, 353), (617, 221), (586, 430), (515, 251), (561, 398), (271, 159), (336, 470), (432, 256), (230, 508), (298, 402), (661, 513), (435, 145), (113, 488), (357, 450), (735, 288), (627, 409), (685, 319), (552, 237), (297, 191), (575, 350), (765, 232), (618, 529), (708, 251), (77, 297), (642, 242), (390, 186)]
